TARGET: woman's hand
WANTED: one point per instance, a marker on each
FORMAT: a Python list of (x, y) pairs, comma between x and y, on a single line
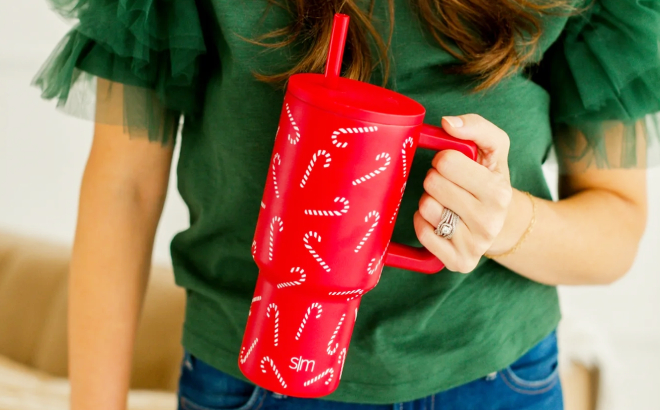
[(479, 192)]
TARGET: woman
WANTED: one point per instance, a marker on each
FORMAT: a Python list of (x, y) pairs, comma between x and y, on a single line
[(514, 77)]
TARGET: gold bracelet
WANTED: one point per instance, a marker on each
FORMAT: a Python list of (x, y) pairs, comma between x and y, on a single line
[(524, 236)]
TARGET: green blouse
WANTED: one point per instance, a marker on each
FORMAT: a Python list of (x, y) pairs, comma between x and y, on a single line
[(416, 334)]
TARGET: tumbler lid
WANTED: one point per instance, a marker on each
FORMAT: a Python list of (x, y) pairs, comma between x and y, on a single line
[(357, 100)]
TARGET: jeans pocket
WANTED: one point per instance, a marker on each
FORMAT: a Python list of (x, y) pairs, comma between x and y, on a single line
[(537, 371), (202, 387)]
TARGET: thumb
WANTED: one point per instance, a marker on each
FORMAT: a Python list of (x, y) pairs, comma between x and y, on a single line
[(493, 143)]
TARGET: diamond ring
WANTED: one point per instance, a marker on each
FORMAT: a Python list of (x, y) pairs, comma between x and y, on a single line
[(447, 224)]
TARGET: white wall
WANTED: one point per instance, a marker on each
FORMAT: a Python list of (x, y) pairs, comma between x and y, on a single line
[(42, 150), (42, 155)]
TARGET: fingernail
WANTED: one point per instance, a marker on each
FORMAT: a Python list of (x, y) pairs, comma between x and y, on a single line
[(455, 122)]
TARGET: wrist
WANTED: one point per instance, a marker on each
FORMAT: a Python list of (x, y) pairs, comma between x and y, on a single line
[(517, 222)]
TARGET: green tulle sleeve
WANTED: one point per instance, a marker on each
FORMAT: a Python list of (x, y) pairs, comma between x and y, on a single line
[(150, 51), (603, 75)]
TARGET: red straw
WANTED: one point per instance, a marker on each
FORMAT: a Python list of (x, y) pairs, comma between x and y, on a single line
[(336, 49)]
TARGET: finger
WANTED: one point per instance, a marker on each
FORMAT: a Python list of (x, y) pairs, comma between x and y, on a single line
[(447, 250), (451, 196), (430, 209), (467, 174), (442, 248), (491, 140), (432, 212)]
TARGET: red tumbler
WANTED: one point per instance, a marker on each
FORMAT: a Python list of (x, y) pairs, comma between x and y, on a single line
[(337, 174)]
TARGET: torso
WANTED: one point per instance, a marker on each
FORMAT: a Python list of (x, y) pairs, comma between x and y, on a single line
[(419, 333)]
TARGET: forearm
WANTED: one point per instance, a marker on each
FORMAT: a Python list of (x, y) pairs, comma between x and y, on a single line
[(108, 276), (590, 237)]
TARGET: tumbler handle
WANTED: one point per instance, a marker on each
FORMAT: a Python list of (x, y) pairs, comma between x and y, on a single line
[(421, 259)]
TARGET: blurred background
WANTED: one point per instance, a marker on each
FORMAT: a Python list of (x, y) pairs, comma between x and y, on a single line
[(612, 333)]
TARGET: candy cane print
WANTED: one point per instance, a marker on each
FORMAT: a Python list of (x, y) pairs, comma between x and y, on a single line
[(341, 360), (371, 271), (295, 140), (377, 171), (316, 306), (277, 132), (254, 299), (263, 205), (352, 293), (408, 140), (276, 158), (396, 210), (277, 321), (344, 201), (320, 376), (244, 358), (308, 171), (330, 350), (312, 251), (355, 130), (342, 355), (267, 359), (254, 249), (376, 216), (272, 234), (295, 282)]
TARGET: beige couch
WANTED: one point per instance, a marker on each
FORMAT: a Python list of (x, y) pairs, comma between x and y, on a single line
[(33, 351)]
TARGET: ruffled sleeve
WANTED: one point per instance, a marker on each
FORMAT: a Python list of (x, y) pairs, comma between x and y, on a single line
[(603, 75), (150, 51)]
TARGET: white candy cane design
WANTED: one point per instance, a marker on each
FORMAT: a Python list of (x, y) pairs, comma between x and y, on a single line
[(254, 249), (267, 359), (312, 251), (319, 153), (295, 140), (276, 159), (320, 376), (254, 299), (330, 213), (408, 140), (295, 282), (355, 130), (396, 210), (277, 321), (371, 271), (377, 171), (376, 216), (342, 355), (272, 234), (352, 293), (244, 358), (263, 205), (341, 360), (331, 350), (316, 306), (382, 259)]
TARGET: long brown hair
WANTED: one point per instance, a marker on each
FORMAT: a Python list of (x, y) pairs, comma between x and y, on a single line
[(494, 37)]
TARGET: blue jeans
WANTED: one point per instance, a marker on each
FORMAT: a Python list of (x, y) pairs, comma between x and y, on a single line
[(531, 383)]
